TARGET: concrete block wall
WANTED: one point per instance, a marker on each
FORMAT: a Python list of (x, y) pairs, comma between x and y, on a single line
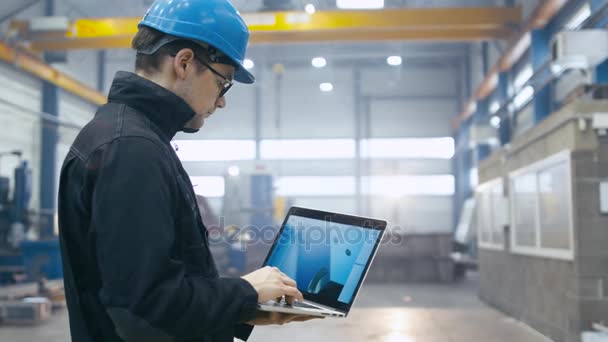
[(591, 167), (559, 298), (536, 291)]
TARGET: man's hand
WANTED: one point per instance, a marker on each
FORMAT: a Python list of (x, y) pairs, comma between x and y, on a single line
[(270, 283), (278, 318)]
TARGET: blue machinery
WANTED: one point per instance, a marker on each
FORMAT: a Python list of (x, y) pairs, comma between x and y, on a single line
[(22, 260), (248, 214)]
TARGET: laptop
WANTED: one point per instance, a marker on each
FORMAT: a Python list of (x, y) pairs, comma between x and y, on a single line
[(328, 255)]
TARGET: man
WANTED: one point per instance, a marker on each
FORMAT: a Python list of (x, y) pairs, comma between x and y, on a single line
[(135, 251)]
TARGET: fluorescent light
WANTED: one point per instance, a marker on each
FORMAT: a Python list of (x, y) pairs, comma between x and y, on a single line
[(394, 60), (248, 63), (208, 186), (360, 4), (234, 171), (307, 149), (316, 186), (523, 77), (474, 177), (310, 9), (319, 62), (215, 150), (556, 69), (579, 17), (524, 96), (472, 107), (326, 87), (495, 121), (410, 148), (494, 107)]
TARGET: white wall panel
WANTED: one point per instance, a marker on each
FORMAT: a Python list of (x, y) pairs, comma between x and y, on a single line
[(80, 65), (396, 81), (419, 214), (306, 112), (412, 119)]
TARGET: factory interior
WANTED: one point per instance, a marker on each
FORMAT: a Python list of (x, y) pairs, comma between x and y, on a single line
[(450, 119)]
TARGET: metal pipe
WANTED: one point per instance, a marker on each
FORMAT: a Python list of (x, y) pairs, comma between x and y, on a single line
[(257, 119), (358, 131), (46, 117), (101, 70)]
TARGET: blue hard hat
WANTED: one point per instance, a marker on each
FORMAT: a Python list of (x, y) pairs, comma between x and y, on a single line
[(214, 22)]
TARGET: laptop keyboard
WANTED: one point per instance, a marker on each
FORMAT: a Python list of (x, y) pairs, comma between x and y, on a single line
[(304, 305), (295, 305)]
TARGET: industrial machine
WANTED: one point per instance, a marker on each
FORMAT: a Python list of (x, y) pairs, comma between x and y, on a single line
[(14, 218), (248, 216), (21, 259), (13, 213)]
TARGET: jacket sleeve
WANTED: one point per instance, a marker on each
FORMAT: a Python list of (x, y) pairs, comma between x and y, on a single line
[(242, 331), (145, 290)]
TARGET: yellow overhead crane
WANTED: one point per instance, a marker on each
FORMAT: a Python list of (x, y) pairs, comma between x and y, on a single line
[(423, 24), (35, 66)]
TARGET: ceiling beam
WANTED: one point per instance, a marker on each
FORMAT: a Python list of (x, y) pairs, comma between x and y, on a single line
[(417, 24)]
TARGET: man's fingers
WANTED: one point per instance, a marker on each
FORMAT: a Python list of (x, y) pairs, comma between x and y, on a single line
[(288, 281), (290, 299), (293, 292)]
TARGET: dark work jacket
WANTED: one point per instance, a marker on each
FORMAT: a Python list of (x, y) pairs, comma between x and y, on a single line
[(136, 259)]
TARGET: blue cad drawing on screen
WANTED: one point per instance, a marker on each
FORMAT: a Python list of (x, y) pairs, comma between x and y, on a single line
[(326, 259)]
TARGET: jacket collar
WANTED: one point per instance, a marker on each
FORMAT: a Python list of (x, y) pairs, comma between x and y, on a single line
[(165, 109)]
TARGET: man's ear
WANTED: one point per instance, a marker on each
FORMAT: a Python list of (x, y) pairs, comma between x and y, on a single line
[(183, 61)]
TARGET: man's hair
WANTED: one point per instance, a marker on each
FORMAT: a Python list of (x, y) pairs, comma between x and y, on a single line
[(147, 37)]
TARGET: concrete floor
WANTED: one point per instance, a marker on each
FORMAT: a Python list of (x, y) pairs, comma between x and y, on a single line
[(384, 313)]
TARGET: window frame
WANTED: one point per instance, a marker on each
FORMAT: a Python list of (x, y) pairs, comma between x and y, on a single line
[(488, 187), (538, 250)]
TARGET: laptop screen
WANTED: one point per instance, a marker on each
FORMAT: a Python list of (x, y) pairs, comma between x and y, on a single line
[(326, 256)]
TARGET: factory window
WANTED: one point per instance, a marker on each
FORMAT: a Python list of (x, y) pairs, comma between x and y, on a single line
[(398, 186), (388, 186), (542, 208), (315, 186), (311, 149), (422, 148), (523, 97), (524, 209), (491, 214), (307, 149), (554, 210), (523, 77), (214, 150), (208, 186)]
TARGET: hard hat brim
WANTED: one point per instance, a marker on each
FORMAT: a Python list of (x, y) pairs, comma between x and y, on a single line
[(241, 74)]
